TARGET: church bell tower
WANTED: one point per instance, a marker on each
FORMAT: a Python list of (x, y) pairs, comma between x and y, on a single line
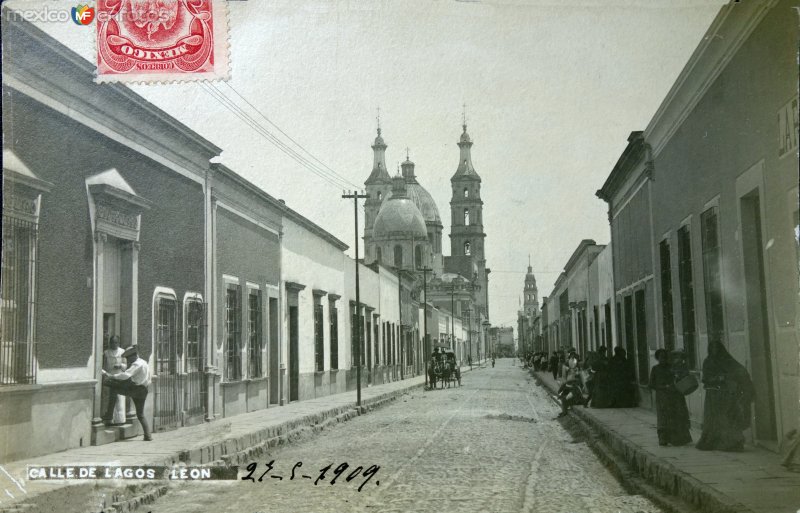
[(466, 214)]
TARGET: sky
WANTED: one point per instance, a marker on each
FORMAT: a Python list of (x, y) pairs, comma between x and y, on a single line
[(552, 91)]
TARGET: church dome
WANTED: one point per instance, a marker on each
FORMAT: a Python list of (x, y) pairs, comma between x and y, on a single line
[(424, 202), (399, 216), (421, 198)]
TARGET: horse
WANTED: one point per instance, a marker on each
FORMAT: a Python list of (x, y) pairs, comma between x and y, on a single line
[(435, 373)]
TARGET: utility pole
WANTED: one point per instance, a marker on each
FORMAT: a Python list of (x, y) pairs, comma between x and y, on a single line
[(425, 349), (355, 196)]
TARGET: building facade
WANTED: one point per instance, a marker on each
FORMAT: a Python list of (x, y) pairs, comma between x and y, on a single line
[(704, 212), (115, 223)]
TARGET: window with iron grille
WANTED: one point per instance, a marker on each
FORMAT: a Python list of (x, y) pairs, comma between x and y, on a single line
[(376, 327), (254, 331), (194, 326), (17, 354), (233, 333), (166, 336), (712, 279), (687, 295), (666, 296), (194, 323), (334, 326), (319, 336)]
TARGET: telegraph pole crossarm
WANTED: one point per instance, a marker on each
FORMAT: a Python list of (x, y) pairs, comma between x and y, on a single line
[(355, 196)]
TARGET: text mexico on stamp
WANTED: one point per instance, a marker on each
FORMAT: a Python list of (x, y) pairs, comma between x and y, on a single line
[(161, 40)]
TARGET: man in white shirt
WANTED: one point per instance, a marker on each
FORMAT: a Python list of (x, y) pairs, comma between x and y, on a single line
[(132, 382)]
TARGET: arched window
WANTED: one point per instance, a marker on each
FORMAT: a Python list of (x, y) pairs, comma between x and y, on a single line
[(466, 192), (467, 248), (380, 195), (378, 255), (466, 217), (418, 257), (398, 255)]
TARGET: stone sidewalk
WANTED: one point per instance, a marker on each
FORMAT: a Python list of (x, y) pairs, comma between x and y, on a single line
[(233, 440), (752, 481)]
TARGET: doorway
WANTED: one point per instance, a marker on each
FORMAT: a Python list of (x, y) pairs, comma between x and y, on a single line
[(642, 350), (294, 364), (274, 357), (757, 320)]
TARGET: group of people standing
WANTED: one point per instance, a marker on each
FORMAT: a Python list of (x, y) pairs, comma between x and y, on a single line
[(125, 374), (728, 395), (604, 382)]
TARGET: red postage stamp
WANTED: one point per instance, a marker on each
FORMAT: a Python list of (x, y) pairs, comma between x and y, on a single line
[(161, 40)]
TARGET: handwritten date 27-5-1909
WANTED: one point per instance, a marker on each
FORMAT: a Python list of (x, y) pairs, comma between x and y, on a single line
[(321, 475)]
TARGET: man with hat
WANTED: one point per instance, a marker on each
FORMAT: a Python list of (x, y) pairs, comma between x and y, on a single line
[(132, 382)]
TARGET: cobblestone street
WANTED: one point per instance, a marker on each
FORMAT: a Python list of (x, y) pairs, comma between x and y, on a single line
[(491, 445)]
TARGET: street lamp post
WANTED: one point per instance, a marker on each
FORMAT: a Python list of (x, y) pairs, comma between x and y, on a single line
[(486, 348), (400, 319), (469, 334), (452, 313)]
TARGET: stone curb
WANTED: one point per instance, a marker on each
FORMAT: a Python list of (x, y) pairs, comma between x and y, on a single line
[(664, 483), (229, 451)]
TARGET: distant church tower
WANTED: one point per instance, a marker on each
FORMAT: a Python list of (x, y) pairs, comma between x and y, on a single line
[(466, 212), (531, 293), (378, 185)]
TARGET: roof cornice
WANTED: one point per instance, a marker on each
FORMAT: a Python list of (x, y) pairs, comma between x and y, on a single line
[(730, 29), (27, 50)]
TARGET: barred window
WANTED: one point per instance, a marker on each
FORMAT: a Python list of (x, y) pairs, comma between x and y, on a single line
[(666, 296), (687, 295), (233, 333), (334, 327), (712, 276), (255, 338), (17, 354), (166, 358), (194, 325), (319, 336)]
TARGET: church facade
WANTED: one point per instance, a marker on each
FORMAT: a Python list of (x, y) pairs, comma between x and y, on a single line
[(529, 316), (403, 230)]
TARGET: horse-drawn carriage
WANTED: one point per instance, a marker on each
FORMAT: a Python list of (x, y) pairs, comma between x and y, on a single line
[(443, 370)]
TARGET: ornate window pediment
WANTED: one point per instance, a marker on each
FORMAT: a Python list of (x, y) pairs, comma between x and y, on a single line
[(117, 208), (22, 189)]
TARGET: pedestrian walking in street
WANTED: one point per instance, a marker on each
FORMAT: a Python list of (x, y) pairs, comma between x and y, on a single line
[(621, 377), (114, 363), (132, 382), (672, 415), (729, 392), (554, 364)]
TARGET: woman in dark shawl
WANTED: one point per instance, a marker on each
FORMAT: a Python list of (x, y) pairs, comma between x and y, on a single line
[(601, 390), (729, 393), (671, 412), (621, 376)]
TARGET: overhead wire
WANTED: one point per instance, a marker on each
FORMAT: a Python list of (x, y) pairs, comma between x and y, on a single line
[(284, 133), (328, 175), (271, 138)]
